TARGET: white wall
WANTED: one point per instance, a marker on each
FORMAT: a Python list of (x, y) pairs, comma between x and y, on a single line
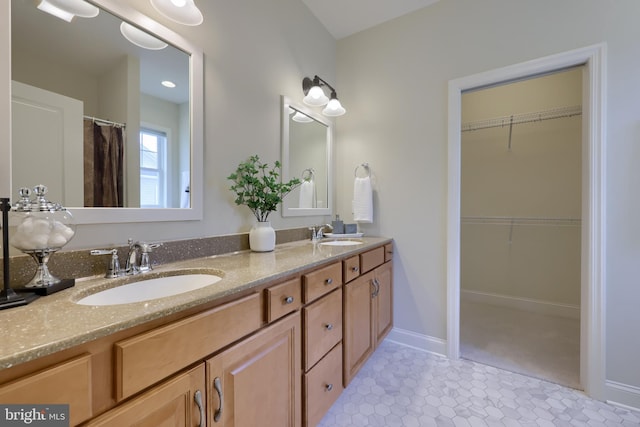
[(254, 52), (393, 81)]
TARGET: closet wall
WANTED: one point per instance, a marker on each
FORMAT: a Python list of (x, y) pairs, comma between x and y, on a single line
[(521, 196)]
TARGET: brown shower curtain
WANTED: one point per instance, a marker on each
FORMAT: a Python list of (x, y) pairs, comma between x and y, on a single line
[(103, 164)]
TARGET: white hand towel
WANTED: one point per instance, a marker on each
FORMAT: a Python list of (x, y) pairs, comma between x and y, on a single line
[(307, 191), (362, 200)]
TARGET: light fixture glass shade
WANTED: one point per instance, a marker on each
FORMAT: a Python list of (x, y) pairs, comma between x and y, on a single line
[(181, 11), (141, 38), (301, 118), (45, 6), (315, 97), (334, 108), (76, 7)]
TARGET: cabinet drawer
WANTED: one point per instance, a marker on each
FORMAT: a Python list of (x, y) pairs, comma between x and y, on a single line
[(149, 357), (322, 327), (351, 268), (322, 386), (371, 259), (66, 383), (322, 281), (283, 299), (388, 252)]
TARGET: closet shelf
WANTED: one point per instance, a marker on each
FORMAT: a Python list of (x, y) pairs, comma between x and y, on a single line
[(503, 220), (554, 113)]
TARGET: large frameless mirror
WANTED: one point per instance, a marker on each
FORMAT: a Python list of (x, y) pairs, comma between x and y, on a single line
[(107, 112), (307, 140)]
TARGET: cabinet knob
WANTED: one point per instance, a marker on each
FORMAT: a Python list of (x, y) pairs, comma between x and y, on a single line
[(328, 326), (329, 387), (329, 281), (288, 300), (355, 269)]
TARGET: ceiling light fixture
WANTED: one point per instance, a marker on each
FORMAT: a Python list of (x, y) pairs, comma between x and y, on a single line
[(168, 83), (315, 96), (141, 38), (181, 11), (45, 6)]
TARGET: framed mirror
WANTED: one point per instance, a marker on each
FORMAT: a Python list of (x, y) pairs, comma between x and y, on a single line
[(76, 84), (307, 150)]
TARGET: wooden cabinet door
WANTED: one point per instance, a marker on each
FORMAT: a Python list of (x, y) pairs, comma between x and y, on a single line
[(358, 334), (257, 382), (383, 301), (178, 402)]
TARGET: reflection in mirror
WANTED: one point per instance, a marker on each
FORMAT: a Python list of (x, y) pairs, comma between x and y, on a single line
[(306, 154), (92, 118)]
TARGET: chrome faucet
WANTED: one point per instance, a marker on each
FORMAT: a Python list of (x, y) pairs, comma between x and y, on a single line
[(317, 232), (133, 266)]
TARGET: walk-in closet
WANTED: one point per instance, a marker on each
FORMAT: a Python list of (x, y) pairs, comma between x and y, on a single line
[(521, 225)]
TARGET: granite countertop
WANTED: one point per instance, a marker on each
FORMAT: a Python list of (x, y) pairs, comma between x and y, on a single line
[(55, 322)]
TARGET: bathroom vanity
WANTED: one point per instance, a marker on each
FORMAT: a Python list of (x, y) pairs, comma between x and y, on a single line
[(272, 343)]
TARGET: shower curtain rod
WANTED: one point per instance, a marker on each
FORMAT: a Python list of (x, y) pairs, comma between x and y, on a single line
[(554, 113), (107, 122)]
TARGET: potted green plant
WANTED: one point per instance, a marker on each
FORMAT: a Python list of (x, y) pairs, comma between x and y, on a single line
[(259, 187)]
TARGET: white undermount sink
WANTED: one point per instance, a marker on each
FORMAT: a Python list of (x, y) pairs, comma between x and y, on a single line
[(151, 288), (341, 243)]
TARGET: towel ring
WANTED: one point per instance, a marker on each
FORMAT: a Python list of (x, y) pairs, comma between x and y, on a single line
[(310, 174), (366, 168)]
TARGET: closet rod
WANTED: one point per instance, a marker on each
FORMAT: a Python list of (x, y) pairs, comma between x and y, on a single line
[(516, 119), (107, 122), (503, 220)]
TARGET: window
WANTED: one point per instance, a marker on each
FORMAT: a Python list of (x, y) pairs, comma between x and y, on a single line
[(153, 149)]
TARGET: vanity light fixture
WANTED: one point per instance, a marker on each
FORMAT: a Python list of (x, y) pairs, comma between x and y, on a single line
[(315, 96), (141, 38), (68, 9), (181, 11)]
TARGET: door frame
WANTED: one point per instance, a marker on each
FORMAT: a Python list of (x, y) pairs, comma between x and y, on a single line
[(592, 305)]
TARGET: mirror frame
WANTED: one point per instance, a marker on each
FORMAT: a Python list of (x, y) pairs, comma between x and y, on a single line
[(116, 215), (286, 103)]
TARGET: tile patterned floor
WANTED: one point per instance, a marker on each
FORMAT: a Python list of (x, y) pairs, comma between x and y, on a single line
[(401, 386)]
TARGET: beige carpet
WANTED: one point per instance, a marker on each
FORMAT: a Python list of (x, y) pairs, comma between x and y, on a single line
[(532, 344)]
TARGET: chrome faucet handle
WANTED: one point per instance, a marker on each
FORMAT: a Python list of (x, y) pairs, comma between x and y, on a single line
[(113, 269), (145, 250)]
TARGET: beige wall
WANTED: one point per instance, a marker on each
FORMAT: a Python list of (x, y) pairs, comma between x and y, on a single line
[(539, 176), (393, 79)]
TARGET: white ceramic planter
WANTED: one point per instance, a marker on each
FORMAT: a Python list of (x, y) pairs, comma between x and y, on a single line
[(262, 237)]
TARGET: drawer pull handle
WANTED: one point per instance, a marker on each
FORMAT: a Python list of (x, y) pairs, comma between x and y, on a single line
[(218, 386), (329, 281), (377, 284), (288, 300), (329, 387), (329, 326), (197, 396), (355, 269)]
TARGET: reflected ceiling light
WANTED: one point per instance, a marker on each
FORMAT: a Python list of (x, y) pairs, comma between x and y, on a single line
[(45, 6), (301, 118), (141, 38), (181, 11), (76, 7), (315, 96), (168, 83)]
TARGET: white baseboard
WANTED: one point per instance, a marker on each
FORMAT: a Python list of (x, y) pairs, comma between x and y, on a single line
[(623, 395), (526, 304), (418, 341)]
